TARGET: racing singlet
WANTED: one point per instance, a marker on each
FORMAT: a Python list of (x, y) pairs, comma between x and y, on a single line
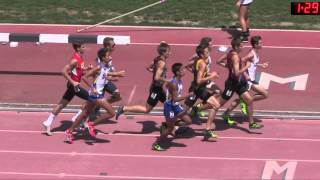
[(155, 68), (196, 69), (179, 89), (100, 81), (232, 74), (77, 72), (253, 67)]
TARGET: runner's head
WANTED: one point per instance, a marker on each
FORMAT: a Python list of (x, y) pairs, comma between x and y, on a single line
[(177, 69), (78, 47), (236, 44), (206, 40), (164, 49), (203, 51), (108, 42), (256, 42), (104, 54)]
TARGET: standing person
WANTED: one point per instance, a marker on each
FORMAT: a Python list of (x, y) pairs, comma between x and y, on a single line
[(73, 73), (101, 75), (156, 92), (244, 18), (173, 111), (110, 87), (253, 59)]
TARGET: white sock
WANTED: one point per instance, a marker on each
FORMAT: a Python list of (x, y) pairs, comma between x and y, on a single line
[(75, 116), (50, 119)]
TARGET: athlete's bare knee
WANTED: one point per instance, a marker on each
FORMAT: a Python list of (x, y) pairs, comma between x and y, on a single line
[(186, 119), (235, 102)]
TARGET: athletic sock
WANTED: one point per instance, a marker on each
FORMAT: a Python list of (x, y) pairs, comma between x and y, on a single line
[(75, 116), (50, 119)]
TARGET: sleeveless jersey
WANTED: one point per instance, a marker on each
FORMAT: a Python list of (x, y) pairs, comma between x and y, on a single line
[(155, 68), (253, 67), (100, 81), (232, 74), (179, 89), (196, 69), (77, 72)]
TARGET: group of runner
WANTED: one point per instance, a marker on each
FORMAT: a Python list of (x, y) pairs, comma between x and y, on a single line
[(203, 94)]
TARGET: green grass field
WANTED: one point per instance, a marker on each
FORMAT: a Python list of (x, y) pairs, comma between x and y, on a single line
[(194, 13)]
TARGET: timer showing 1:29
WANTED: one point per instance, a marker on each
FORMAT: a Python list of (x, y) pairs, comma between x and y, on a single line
[(305, 8)]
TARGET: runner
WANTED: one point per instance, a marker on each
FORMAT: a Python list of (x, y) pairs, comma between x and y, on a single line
[(101, 75), (110, 87), (212, 87), (73, 73), (234, 83), (253, 58), (173, 111), (156, 92), (202, 78)]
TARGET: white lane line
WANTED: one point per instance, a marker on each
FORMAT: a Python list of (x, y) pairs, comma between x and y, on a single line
[(157, 156), (131, 94), (61, 175), (217, 45), (155, 135)]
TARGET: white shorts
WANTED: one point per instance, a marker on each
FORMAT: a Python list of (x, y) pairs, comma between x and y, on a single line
[(245, 2)]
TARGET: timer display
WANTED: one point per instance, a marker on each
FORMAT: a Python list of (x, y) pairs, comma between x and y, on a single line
[(305, 8)]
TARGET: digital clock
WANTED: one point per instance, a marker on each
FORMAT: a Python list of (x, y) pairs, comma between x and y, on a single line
[(305, 8)]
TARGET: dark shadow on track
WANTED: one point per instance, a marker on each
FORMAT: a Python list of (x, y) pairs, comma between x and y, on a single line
[(148, 127), (89, 140)]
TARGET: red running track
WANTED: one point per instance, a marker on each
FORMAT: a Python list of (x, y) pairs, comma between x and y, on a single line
[(122, 150), (290, 53)]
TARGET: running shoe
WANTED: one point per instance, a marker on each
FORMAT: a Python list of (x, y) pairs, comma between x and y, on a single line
[(209, 134), (200, 113), (255, 126), (119, 111), (69, 136), (157, 147), (244, 37), (228, 120), (243, 107), (47, 129), (91, 129)]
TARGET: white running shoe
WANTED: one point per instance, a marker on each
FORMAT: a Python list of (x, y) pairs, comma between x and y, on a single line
[(47, 129)]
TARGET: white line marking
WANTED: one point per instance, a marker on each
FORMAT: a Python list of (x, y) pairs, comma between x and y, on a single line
[(60, 175), (155, 135), (157, 156), (78, 106), (160, 27), (131, 94), (217, 45)]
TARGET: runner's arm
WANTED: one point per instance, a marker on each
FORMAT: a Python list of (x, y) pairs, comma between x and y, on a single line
[(91, 73), (159, 72), (67, 70), (222, 60)]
